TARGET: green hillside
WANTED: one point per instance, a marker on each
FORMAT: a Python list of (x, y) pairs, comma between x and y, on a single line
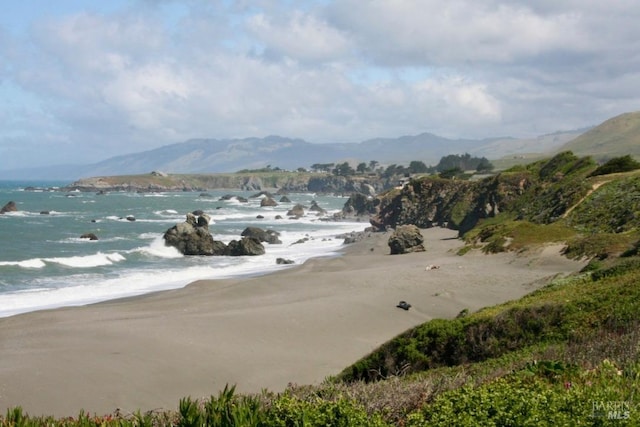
[(617, 136)]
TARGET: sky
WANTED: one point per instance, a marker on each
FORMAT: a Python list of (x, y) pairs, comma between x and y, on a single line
[(82, 81)]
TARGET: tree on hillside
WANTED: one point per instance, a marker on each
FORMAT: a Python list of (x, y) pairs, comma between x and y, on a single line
[(417, 166), (484, 165), (344, 169), (393, 170), (462, 162), (616, 165), (362, 167), (322, 167)]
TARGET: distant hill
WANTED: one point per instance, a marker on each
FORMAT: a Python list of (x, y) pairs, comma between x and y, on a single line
[(231, 155), (615, 137)]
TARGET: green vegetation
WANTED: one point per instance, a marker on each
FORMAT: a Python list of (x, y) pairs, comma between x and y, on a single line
[(463, 162), (618, 164)]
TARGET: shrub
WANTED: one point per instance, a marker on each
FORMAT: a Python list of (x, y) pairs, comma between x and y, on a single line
[(547, 393), (617, 165)]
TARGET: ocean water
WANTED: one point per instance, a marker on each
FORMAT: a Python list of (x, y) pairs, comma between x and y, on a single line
[(45, 264)]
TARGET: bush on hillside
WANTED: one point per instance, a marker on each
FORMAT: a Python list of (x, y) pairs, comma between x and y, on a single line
[(617, 165)]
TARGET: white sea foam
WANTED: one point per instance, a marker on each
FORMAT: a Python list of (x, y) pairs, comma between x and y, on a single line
[(158, 249), (165, 212), (87, 261), (29, 263)]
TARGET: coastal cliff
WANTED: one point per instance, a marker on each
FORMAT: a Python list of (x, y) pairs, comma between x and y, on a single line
[(563, 189), (282, 181)]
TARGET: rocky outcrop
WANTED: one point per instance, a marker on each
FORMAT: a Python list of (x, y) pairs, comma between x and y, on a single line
[(359, 204), (297, 211), (542, 192), (406, 239), (268, 202), (346, 185), (317, 209), (424, 203), (192, 237), (455, 204), (252, 183), (9, 207), (284, 182), (267, 236), (245, 246)]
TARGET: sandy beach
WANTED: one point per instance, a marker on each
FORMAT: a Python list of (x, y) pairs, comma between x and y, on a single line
[(299, 325)]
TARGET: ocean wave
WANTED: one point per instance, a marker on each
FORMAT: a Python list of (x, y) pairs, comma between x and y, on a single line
[(29, 263), (87, 261), (158, 249), (166, 212), (17, 214)]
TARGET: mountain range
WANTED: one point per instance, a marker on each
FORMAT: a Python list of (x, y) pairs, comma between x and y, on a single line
[(619, 135)]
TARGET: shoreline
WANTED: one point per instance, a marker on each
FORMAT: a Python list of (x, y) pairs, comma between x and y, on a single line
[(296, 325)]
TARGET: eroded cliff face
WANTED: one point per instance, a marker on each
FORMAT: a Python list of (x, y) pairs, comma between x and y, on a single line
[(456, 204), (292, 182)]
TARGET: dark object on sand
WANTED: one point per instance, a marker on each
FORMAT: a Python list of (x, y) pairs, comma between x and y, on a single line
[(404, 305)]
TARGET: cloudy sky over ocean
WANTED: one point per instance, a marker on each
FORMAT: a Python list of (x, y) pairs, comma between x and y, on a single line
[(81, 81)]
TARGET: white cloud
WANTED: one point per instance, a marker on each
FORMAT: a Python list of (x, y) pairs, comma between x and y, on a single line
[(137, 78), (438, 33), (301, 37)]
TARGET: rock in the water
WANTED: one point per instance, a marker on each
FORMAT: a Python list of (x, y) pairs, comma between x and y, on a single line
[(406, 239), (268, 201), (89, 236), (285, 199), (245, 246), (9, 207), (297, 210), (192, 237), (268, 236), (283, 261), (314, 207)]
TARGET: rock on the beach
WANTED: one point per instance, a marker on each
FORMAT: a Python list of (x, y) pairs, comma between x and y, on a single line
[(406, 239), (9, 207), (192, 237)]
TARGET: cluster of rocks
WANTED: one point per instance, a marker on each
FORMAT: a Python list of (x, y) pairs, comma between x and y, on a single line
[(192, 237)]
